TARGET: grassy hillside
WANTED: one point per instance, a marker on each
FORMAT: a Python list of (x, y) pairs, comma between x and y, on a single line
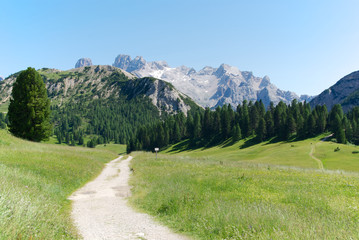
[(267, 191), (103, 102), (35, 181)]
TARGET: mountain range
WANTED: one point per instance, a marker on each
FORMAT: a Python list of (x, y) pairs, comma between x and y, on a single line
[(84, 84), (210, 87), (344, 92)]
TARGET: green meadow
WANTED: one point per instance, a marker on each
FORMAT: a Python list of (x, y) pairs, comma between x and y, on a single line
[(4, 107), (264, 191), (35, 182)]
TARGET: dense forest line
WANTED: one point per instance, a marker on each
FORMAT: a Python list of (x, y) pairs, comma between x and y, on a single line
[(103, 121), (3, 121), (282, 122)]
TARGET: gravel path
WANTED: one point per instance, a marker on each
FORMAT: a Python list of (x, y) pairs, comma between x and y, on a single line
[(100, 209)]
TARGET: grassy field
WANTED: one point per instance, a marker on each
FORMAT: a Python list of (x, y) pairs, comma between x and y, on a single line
[(267, 191), (4, 107), (35, 181), (115, 148)]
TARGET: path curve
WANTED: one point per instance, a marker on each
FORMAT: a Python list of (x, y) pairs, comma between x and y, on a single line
[(320, 163), (100, 209)]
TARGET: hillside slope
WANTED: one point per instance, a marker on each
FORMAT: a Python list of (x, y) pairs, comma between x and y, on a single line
[(104, 101), (345, 92), (103, 82)]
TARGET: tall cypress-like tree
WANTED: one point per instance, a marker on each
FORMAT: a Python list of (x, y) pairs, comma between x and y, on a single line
[(236, 133), (261, 130), (338, 129), (29, 109)]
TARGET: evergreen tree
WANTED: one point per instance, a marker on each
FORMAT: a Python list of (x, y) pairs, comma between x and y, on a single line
[(336, 110), (311, 126), (245, 124), (189, 126), (176, 133), (81, 140), (348, 128), (2, 121), (269, 124), (197, 128), (338, 129), (291, 125), (236, 133), (29, 109), (207, 124), (226, 121), (261, 130), (72, 140)]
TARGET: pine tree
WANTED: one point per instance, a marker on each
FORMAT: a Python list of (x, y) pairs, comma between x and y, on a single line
[(81, 140), (226, 121), (29, 109), (236, 133), (269, 124), (338, 129), (176, 133), (207, 124), (197, 127), (245, 124), (311, 125), (261, 130)]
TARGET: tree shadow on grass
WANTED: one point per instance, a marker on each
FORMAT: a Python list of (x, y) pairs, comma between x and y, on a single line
[(228, 143), (186, 145), (249, 143), (199, 144), (191, 145)]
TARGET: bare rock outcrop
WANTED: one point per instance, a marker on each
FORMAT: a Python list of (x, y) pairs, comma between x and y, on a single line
[(345, 92), (83, 62), (210, 87)]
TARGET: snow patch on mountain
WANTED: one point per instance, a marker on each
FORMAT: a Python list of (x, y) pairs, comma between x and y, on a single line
[(210, 87)]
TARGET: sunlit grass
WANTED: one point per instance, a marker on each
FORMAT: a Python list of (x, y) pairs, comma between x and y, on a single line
[(119, 149), (4, 107), (35, 181), (267, 191)]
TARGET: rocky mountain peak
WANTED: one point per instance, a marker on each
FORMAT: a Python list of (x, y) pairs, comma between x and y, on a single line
[(186, 70), (206, 70), (122, 61), (345, 92), (126, 63), (1, 78), (265, 82), (83, 62), (225, 69), (137, 63), (160, 65), (209, 86)]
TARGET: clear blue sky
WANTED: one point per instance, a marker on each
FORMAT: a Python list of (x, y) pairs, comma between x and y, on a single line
[(304, 46)]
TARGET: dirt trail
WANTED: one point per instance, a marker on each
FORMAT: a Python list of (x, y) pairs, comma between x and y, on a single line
[(100, 209), (312, 151)]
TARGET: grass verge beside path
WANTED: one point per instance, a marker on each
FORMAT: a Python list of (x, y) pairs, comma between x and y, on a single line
[(35, 181), (227, 193)]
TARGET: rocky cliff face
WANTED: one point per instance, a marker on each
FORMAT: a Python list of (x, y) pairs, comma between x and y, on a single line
[(1, 78), (345, 92), (210, 87), (83, 62), (84, 84)]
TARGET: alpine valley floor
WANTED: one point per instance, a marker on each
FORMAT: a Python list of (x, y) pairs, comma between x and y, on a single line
[(263, 191)]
